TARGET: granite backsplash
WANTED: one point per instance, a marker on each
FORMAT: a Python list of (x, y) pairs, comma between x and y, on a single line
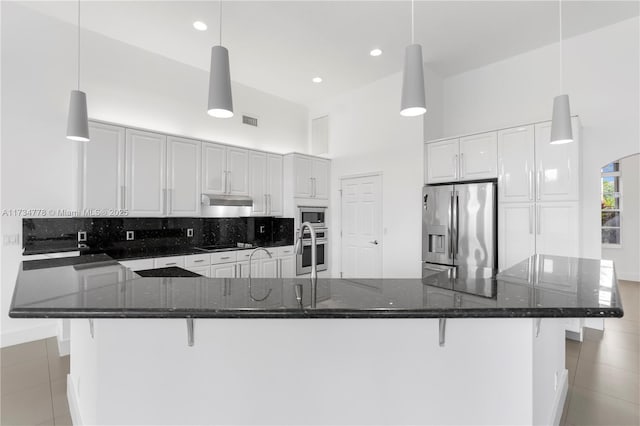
[(109, 235)]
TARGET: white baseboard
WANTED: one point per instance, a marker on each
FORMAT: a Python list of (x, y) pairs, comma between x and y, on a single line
[(74, 406), (558, 403), (41, 331)]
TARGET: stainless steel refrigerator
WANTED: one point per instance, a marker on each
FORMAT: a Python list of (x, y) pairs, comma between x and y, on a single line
[(459, 226)]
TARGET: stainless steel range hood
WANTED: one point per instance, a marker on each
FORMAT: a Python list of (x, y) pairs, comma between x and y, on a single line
[(227, 200)]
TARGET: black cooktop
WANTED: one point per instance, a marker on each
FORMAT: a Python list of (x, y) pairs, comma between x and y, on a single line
[(171, 271)]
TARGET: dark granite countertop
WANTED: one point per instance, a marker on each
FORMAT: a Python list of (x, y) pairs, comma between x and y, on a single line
[(170, 271), (542, 286)]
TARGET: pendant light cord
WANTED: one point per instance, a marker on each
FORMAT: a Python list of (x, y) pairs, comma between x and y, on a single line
[(412, 22), (561, 68), (78, 45), (220, 25)]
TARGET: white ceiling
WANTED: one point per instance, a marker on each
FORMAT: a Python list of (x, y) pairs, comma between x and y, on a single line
[(278, 46)]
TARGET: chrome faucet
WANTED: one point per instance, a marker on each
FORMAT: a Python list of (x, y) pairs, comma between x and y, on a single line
[(314, 264), (250, 260)]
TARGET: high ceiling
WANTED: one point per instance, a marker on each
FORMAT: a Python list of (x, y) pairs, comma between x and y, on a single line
[(278, 46)]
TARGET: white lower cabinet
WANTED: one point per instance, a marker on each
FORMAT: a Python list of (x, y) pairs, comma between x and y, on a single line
[(224, 270), (287, 267), (516, 233), (269, 267), (242, 270)]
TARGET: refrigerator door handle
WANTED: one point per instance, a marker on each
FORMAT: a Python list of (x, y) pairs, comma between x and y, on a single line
[(451, 229), (455, 253), (531, 219)]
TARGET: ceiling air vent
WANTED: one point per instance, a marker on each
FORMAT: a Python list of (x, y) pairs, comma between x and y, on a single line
[(251, 121)]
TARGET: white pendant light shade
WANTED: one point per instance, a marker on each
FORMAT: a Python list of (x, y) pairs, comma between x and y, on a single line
[(561, 121), (77, 121), (412, 102), (220, 99)]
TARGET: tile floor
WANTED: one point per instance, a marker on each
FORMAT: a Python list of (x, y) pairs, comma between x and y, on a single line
[(604, 376), (34, 384)]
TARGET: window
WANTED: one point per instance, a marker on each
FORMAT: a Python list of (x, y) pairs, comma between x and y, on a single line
[(611, 197)]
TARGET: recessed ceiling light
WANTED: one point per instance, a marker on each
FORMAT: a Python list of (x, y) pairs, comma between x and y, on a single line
[(375, 52), (200, 26), (317, 79)]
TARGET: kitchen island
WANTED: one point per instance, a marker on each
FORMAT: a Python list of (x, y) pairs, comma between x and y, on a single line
[(459, 347)]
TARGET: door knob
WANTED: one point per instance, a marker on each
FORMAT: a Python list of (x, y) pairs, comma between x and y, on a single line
[(374, 242)]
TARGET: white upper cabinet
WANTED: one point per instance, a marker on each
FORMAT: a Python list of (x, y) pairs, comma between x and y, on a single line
[(183, 177), (258, 183), (557, 166), (302, 175), (237, 171), (265, 173), (145, 173), (310, 176), (478, 157), (274, 184), (102, 168), (225, 170), (320, 170), (214, 160), (516, 164), (468, 158), (442, 161)]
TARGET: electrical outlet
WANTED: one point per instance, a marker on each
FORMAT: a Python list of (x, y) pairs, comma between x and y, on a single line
[(130, 236), (82, 236), (11, 240), (190, 232)]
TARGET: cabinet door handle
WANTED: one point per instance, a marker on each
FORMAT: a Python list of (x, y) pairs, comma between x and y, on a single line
[(538, 221), (462, 165), (530, 184), (198, 261), (229, 182), (122, 197), (455, 166), (266, 204), (225, 258), (170, 263), (531, 219), (538, 182), (269, 204)]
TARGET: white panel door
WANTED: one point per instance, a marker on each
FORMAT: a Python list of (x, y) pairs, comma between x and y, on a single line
[(269, 268), (557, 166), (479, 156), (183, 176), (442, 161), (516, 233), (287, 267), (516, 164), (238, 171), (102, 168), (361, 208), (321, 178), (274, 185), (558, 228), (225, 270), (213, 168), (258, 182), (302, 173), (145, 173)]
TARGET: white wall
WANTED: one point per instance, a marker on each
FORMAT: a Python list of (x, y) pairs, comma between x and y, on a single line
[(125, 85), (626, 257), (602, 74), (368, 134)]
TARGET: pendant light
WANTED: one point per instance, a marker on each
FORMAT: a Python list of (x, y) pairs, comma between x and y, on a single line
[(78, 120), (561, 119), (220, 99), (412, 103)]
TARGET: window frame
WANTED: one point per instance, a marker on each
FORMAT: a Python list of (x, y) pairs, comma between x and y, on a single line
[(616, 174)]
